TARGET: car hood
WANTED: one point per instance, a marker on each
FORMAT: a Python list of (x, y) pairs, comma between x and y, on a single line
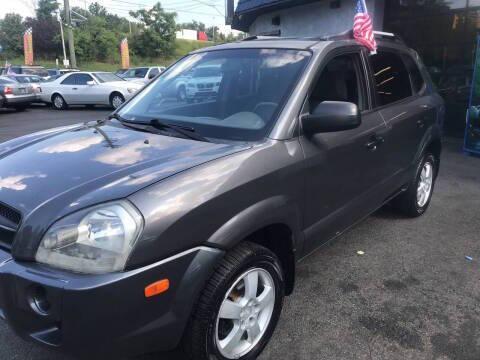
[(58, 172)]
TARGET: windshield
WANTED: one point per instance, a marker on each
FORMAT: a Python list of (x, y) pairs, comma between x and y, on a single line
[(107, 77), (224, 94), (135, 73)]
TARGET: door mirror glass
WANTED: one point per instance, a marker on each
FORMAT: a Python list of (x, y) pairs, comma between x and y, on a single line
[(90, 82), (331, 116)]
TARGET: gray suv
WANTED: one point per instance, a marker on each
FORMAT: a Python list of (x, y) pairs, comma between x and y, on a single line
[(179, 225)]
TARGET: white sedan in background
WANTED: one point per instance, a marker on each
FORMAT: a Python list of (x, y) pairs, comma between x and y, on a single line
[(88, 88), (142, 75)]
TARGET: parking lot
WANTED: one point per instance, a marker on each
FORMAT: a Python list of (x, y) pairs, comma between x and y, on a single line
[(412, 295)]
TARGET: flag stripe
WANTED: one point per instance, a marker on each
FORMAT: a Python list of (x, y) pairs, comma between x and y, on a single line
[(363, 27)]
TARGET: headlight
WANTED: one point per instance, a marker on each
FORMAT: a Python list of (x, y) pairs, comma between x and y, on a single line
[(92, 241), (131, 90)]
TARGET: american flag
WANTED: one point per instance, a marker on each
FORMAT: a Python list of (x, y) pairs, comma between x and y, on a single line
[(363, 27)]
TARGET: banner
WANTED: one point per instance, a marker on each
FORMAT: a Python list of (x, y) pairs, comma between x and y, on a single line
[(124, 54), (28, 46)]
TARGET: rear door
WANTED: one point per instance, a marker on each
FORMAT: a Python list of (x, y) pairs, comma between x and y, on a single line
[(399, 98), (345, 169)]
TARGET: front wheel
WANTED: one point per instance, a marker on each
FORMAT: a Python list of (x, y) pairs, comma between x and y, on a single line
[(116, 100), (416, 199), (239, 308)]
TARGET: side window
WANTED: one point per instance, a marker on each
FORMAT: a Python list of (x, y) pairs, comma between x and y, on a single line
[(154, 72), (392, 81), (340, 80), (70, 80), (82, 79), (415, 75)]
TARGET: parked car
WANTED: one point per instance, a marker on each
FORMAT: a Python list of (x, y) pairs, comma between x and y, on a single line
[(204, 83), (120, 71), (15, 95), (142, 74), (180, 225), (59, 72), (31, 80), (87, 88), (29, 70)]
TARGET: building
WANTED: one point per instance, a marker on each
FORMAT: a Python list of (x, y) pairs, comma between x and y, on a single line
[(444, 32)]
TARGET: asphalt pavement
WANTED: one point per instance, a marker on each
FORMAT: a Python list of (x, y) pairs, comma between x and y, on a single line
[(412, 295)]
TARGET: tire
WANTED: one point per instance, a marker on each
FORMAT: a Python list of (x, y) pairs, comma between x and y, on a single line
[(181, 93), (410, 202), (116, 100), (58, 102), (207, 332)]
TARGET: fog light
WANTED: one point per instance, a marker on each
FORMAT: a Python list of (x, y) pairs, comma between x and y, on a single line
[(38, 301)]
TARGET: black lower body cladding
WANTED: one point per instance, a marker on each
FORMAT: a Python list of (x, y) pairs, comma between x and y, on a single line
[(103, 314)]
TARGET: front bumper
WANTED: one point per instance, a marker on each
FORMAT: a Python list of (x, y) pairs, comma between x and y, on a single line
[(86, 315)]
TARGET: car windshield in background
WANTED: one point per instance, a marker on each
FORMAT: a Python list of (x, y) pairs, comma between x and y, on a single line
[(135, 73), (35, 71), (107, 77), (225, 94)]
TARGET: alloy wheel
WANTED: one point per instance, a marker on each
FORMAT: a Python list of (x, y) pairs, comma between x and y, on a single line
[(117, 100), (245, 313), (58, 102), (424, 188)]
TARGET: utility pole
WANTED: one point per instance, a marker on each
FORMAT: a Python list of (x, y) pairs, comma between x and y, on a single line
[(63, 37), (71, 45)]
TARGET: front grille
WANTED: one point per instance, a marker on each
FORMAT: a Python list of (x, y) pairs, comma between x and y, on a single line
[(10, 214), (9, 222), (6, 238)]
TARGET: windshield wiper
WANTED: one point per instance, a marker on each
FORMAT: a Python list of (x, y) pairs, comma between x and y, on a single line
[(184, 131)]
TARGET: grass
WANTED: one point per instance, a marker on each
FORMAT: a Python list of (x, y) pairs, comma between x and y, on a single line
[(182, 47)]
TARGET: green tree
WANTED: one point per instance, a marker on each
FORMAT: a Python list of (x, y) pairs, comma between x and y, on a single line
[(157, 37), (46, 9), (11, 34), (95, 31), (192, 25)]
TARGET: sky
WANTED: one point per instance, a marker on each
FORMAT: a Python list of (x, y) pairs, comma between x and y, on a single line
[(210, 12)]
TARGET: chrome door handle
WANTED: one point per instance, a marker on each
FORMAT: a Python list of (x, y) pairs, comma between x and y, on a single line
[(74, 88), (420, 124)]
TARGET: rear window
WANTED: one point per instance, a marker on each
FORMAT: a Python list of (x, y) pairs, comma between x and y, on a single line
[(34, 71), (392, 81), (6, 81)]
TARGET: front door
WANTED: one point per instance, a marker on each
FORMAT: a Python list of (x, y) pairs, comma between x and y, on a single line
[(345, 169)]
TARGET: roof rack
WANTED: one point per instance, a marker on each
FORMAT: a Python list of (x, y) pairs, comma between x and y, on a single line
[(348, 35)]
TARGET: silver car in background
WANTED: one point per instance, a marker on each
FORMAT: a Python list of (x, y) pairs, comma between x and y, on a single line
[(88, 88), (15, 95), (29, 80), (142, 75)]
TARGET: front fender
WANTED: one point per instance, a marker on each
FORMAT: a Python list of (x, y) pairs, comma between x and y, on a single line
[(274, 210)]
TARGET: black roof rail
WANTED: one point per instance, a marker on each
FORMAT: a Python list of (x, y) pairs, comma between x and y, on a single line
[(348, 35)]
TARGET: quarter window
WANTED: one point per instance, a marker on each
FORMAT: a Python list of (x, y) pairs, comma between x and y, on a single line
[(392, 82)]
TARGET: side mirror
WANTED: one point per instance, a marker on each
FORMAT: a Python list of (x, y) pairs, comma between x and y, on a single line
[(90, 82), (331, 116)]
